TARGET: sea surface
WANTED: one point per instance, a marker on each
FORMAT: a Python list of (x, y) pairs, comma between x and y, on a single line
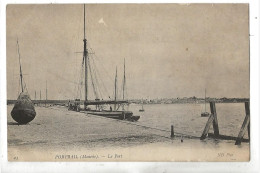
[(186, 118)]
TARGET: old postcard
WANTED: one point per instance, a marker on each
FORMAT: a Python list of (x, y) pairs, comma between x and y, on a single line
[(128, 82)]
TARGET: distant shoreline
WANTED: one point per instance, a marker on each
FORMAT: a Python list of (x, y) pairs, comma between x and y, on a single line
[(191, 100)]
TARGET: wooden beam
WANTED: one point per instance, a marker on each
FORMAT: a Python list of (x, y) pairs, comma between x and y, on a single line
[(225, 137), (215, 121), (247, 108), (245, 124), (206, 129), (248, 129)]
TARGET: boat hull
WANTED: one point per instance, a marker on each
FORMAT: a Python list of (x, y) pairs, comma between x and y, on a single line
[(113, 114), (135, 118), (23, 111), (205, 114)]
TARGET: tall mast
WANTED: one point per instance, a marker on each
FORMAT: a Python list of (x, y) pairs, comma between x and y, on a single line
[(21, 74), (85, 56), (124, 82), (115, 88)]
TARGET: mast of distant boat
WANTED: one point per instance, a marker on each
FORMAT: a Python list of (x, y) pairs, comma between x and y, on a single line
[(124, 82), (205, 100), (124, 85), (85, 56), (21, 74), (46, 94), (115, 89)]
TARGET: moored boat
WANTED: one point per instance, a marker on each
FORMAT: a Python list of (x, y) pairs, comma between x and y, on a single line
[(142, 109), (205, 113), (23, 111), (114, 113)]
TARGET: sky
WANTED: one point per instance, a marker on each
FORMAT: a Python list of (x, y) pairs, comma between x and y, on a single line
[(170, 50)]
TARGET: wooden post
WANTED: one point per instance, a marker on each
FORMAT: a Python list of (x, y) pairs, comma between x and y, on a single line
[(206, 129), (247, 108), (212, 119), (215, 121), (172, 131), (248, 129), (245, 125)]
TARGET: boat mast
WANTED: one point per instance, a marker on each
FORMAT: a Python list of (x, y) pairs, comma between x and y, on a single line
[(85, 55), (205, 100), (124, 82), (46, 94), (21, 74), (115, 89), (40, 96), (124, 86)]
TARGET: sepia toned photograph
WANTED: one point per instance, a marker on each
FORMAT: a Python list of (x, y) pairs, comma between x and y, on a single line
[(128, 82)]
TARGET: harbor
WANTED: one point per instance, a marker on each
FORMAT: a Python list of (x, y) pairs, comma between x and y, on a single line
[(138, 87), (57, 131)]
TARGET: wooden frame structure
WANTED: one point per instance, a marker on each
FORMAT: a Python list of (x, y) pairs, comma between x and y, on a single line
[(213, 120)]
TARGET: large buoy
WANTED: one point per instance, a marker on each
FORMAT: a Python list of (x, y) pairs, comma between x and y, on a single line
[(23, 111)]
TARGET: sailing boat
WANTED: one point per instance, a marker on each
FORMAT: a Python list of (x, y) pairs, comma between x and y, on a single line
[(142, 109), (23, 111), (205, 113), (116, 114)]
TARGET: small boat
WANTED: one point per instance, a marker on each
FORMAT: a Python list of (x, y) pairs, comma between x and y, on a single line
[(142, 109), (23, 111), (205, 113)]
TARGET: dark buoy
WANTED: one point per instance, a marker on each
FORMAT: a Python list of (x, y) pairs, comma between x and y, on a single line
[(23, 111)]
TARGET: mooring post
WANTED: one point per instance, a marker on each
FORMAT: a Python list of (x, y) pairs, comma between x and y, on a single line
[(212, 119), (215, 120), (248, 130), (247, 108), (172, 131), (245, 125)]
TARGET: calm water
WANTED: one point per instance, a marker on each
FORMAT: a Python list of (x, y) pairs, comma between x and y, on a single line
[(187, 119)]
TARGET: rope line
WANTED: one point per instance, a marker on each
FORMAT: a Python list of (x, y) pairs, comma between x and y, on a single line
[(177, 134), (154, 128)]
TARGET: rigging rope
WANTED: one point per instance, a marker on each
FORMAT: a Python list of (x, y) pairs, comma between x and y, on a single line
[(80, 84), (96, 79), (149, 127), (92, 80), (98, 76)]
